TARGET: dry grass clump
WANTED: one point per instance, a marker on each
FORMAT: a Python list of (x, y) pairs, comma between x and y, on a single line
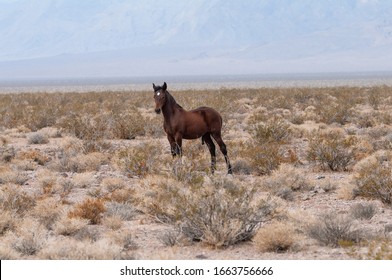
[(7, 222), (33, 155), (275, 130), (373, 176), (334, 230), (123, 210), (221, 213), (112, 222), (90, 209), (14, 200), (363, 211), (138, 161), (9, 176), (112, 183), (37, 138), (84, 180), (30, 237), (278, 237), (70, 249), (332, 150), (47, 211), (286, 180), (69, 226)]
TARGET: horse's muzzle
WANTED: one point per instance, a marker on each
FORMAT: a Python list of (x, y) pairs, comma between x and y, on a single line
[(158, 110)]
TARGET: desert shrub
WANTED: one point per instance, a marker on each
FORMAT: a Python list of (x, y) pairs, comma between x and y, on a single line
[(334, 230), (90, 209), (112, 184), (373, 177), (7, 153), (112, 222), (37, 138), (285, 180), (13, 177), (332, 150), (264, 158), (67, 162), (69, 226), (84, 180), (276, 237), (274, 130), (335, 111), (33, 155), (363, 211), (137, 161), (127, 125), (124, 210), (170, 237), (220, 213), (47, 211), (7, 221), (14, 200), (30, 237)]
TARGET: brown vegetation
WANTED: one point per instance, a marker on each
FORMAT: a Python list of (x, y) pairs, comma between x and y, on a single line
[(90, 175)]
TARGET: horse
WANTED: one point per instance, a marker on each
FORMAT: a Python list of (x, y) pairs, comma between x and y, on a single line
[(178, 123)]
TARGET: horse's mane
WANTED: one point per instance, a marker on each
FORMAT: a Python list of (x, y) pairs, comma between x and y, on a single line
[(173, 101)]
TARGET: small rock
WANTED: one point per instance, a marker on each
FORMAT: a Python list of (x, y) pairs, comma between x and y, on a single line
[(320, 177)]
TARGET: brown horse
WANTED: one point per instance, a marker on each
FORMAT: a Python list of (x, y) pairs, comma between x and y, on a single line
[(180, 124)]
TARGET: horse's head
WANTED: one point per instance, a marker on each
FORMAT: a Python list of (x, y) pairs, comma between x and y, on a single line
[(159, 97)]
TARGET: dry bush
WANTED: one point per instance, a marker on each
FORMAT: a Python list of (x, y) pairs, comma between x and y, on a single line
[(37, 138), (30, 238), (221, 213), (138, 161), (7, 221), (69, 226), (127, 125), (336, 109), (332, 150), (285, 180), (47, 212), (363, 211), (14, 200), (112, 222), (276, 237), (90, 209), (13, 177), (112, 184), (377, 250), (70, 249), (263, 158), (33, 155), (80, 163), (7, 153), (275, 130), (373, 176), (334, 230), (47, 181), (84, 180), (124, 210)]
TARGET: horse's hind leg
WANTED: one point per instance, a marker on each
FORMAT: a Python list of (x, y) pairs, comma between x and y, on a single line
[(218, 138), (211, 147)]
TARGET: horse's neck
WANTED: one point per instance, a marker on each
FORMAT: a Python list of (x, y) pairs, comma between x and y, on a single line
[(170, 106)]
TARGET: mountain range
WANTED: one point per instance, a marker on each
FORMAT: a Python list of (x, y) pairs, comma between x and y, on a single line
[(113, 38)]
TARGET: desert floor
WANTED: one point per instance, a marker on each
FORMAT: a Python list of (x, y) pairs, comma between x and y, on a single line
[(89, 175)]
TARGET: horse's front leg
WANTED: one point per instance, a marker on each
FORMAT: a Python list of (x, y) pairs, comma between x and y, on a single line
[(178, 144), (175, 145)]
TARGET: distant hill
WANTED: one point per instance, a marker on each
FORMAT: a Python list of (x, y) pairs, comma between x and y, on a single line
[(113, 38)]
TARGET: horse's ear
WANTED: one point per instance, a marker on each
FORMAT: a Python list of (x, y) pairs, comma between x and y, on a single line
[(164, 87), (153, 86)]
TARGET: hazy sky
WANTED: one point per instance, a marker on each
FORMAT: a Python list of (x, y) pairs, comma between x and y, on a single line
[(118, 37)]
